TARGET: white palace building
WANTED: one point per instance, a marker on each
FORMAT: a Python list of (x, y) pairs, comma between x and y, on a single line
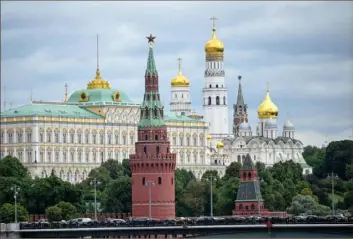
[(98, 123)]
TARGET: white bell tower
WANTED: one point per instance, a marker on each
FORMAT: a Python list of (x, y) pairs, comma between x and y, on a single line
[(215, 98)]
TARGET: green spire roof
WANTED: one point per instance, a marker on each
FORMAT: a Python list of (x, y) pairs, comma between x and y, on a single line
[(151, 65), (248, 163)]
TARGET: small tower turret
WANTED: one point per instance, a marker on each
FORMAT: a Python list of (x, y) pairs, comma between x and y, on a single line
[(240, 113)]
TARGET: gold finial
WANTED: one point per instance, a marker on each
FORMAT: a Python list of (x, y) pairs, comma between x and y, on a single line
[(65, 98), (213, 23), (179, 64)]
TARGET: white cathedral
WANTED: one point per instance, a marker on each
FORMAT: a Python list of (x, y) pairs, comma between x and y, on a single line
[(98, 123)]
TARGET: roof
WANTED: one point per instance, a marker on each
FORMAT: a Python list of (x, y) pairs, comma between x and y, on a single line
[(249, 191), (267, 140), (248, 163), (173, 117), (99, 96), (47, 109)]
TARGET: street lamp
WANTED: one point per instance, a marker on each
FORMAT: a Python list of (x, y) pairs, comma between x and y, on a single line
[(149, 184), (94, 183), (258, 196), (211, 196), (333, 177), (15, 190)]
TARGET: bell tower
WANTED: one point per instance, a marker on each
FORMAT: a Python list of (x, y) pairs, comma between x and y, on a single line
[(152, 165)]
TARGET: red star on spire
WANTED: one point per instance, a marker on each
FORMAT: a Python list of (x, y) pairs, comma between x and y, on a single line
[(151, 38)]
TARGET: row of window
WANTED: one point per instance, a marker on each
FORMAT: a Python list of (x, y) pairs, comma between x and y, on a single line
[(145, 183), (21, 137), (218, 100), (188, 141)]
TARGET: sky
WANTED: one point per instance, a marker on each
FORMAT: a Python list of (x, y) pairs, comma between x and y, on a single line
[(304, 50)]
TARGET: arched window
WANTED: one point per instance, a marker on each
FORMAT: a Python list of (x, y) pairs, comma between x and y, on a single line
[(224, 100), (146, 112), (217, 100), (239, 159), (167, 150), (249, 176), (143, 181), (155, 112), (252, 206), (172, 181), (159, 180), (146, 137), (217, 86), (157, 150), (210, 86), (209, 100), (145, 150), (240, 206), (244, 175), (156, 137), (246, 207)]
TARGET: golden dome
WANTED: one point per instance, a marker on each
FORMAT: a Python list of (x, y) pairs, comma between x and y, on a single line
[(180, 80), (219, 145), (214, 45), (267, 109), (98, 82), (208, 137)]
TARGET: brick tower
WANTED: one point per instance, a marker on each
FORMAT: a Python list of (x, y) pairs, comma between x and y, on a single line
[(152, 165), (240, 113), (249, 199)]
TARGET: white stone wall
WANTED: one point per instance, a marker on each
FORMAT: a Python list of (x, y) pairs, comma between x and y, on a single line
[(180, 99)]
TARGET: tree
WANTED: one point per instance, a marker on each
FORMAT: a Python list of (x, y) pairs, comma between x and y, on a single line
[(7, 213), (53, 213), (194, 198), (232, 171), (349, 171), (226, 196), (117, 195), (68, 211), (306, 204), (114, 168), (12, 167), (182, 179)]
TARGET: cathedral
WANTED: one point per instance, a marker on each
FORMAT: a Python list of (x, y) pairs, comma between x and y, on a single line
[(100, 122)]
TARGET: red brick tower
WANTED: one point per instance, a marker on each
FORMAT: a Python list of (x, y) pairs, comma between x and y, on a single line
[(249, 199), (152, 165)]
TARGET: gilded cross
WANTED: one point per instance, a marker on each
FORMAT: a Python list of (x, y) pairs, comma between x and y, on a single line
[(214, 22), (179, 63)]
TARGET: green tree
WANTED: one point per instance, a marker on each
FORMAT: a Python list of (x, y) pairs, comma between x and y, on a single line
[(68, 211), (7, 213), (117, 196), (289, 191), (114, 168), (194, 199), (53, 213), (232, 171), (349, 171), (182, 179), (12, 167), (226, 196), (306, 204)]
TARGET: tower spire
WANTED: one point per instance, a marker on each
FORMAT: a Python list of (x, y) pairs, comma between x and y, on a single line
[(179, 64), (240, 98), (151, 65), (65, 96)]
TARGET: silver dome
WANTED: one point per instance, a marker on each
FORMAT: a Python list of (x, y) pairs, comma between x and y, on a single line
[(270, 124), (288, 126), (245, 126)]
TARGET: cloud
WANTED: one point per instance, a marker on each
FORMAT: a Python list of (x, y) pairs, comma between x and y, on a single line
[(303, 49)]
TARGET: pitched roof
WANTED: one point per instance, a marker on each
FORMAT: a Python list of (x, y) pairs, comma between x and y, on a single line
[(249, 191), (248, 163)]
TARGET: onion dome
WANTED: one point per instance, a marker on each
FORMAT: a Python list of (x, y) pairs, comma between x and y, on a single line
[(245, 126), (270, 124), (267, 109), (180, 79), (98, 82), (219, 145), (288, 126), (214, 48), (208, 137)]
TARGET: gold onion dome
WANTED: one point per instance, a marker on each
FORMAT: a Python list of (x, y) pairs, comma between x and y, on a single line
[(98, 82), (180, 79), (267, 109), (214, 45), (219, 145), (208, 137)]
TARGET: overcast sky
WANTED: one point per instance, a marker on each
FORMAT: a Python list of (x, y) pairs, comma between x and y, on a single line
[(303, 49)]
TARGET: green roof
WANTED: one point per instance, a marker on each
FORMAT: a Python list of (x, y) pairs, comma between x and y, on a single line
[(99, 96), (46, 109), (173, 117)]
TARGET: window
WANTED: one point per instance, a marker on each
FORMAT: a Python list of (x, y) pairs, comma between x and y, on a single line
[(29, 137), (195, 141), (217, 86), (56, 137), (19, 155), (87, 157), (19, 137), (94, 137), (188, 141), (156, 137), (174, 140), (102, 157), (224, 100), (72, 155), (41, 156), (217, 100), (157, 150), (252, 207), (10, 137), (49, 156), (244, 175), (79, 156), (188, 157), (209, 100), (64, 156), (210, 86), (87, 137), (124, 140), (181, 141), (239, 159), (48, 137), (143, 181), (131, 139), (202, 141), (72, 137), (116, 138), (109, 138), (172, 181), (101, 138), (29, 156), (159, 180), (56, 157), (2, 140), (145, 150), (94, 156), (64, 137), (249, 175), (79, 138)]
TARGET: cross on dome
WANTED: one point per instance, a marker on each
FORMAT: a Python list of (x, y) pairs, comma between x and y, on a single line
[(213, 22)]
